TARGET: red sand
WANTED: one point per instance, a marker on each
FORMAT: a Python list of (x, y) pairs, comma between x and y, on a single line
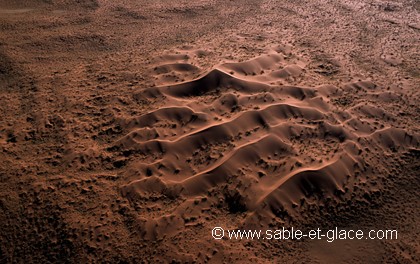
[(129, 129)]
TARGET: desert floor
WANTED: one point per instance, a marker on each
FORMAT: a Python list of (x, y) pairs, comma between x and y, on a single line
[(129, 129)]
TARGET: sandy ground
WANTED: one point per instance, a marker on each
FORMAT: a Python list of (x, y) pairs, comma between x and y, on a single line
[(129, 129)]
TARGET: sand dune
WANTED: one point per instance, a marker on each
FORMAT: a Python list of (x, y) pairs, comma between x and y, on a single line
[(195, 149)]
